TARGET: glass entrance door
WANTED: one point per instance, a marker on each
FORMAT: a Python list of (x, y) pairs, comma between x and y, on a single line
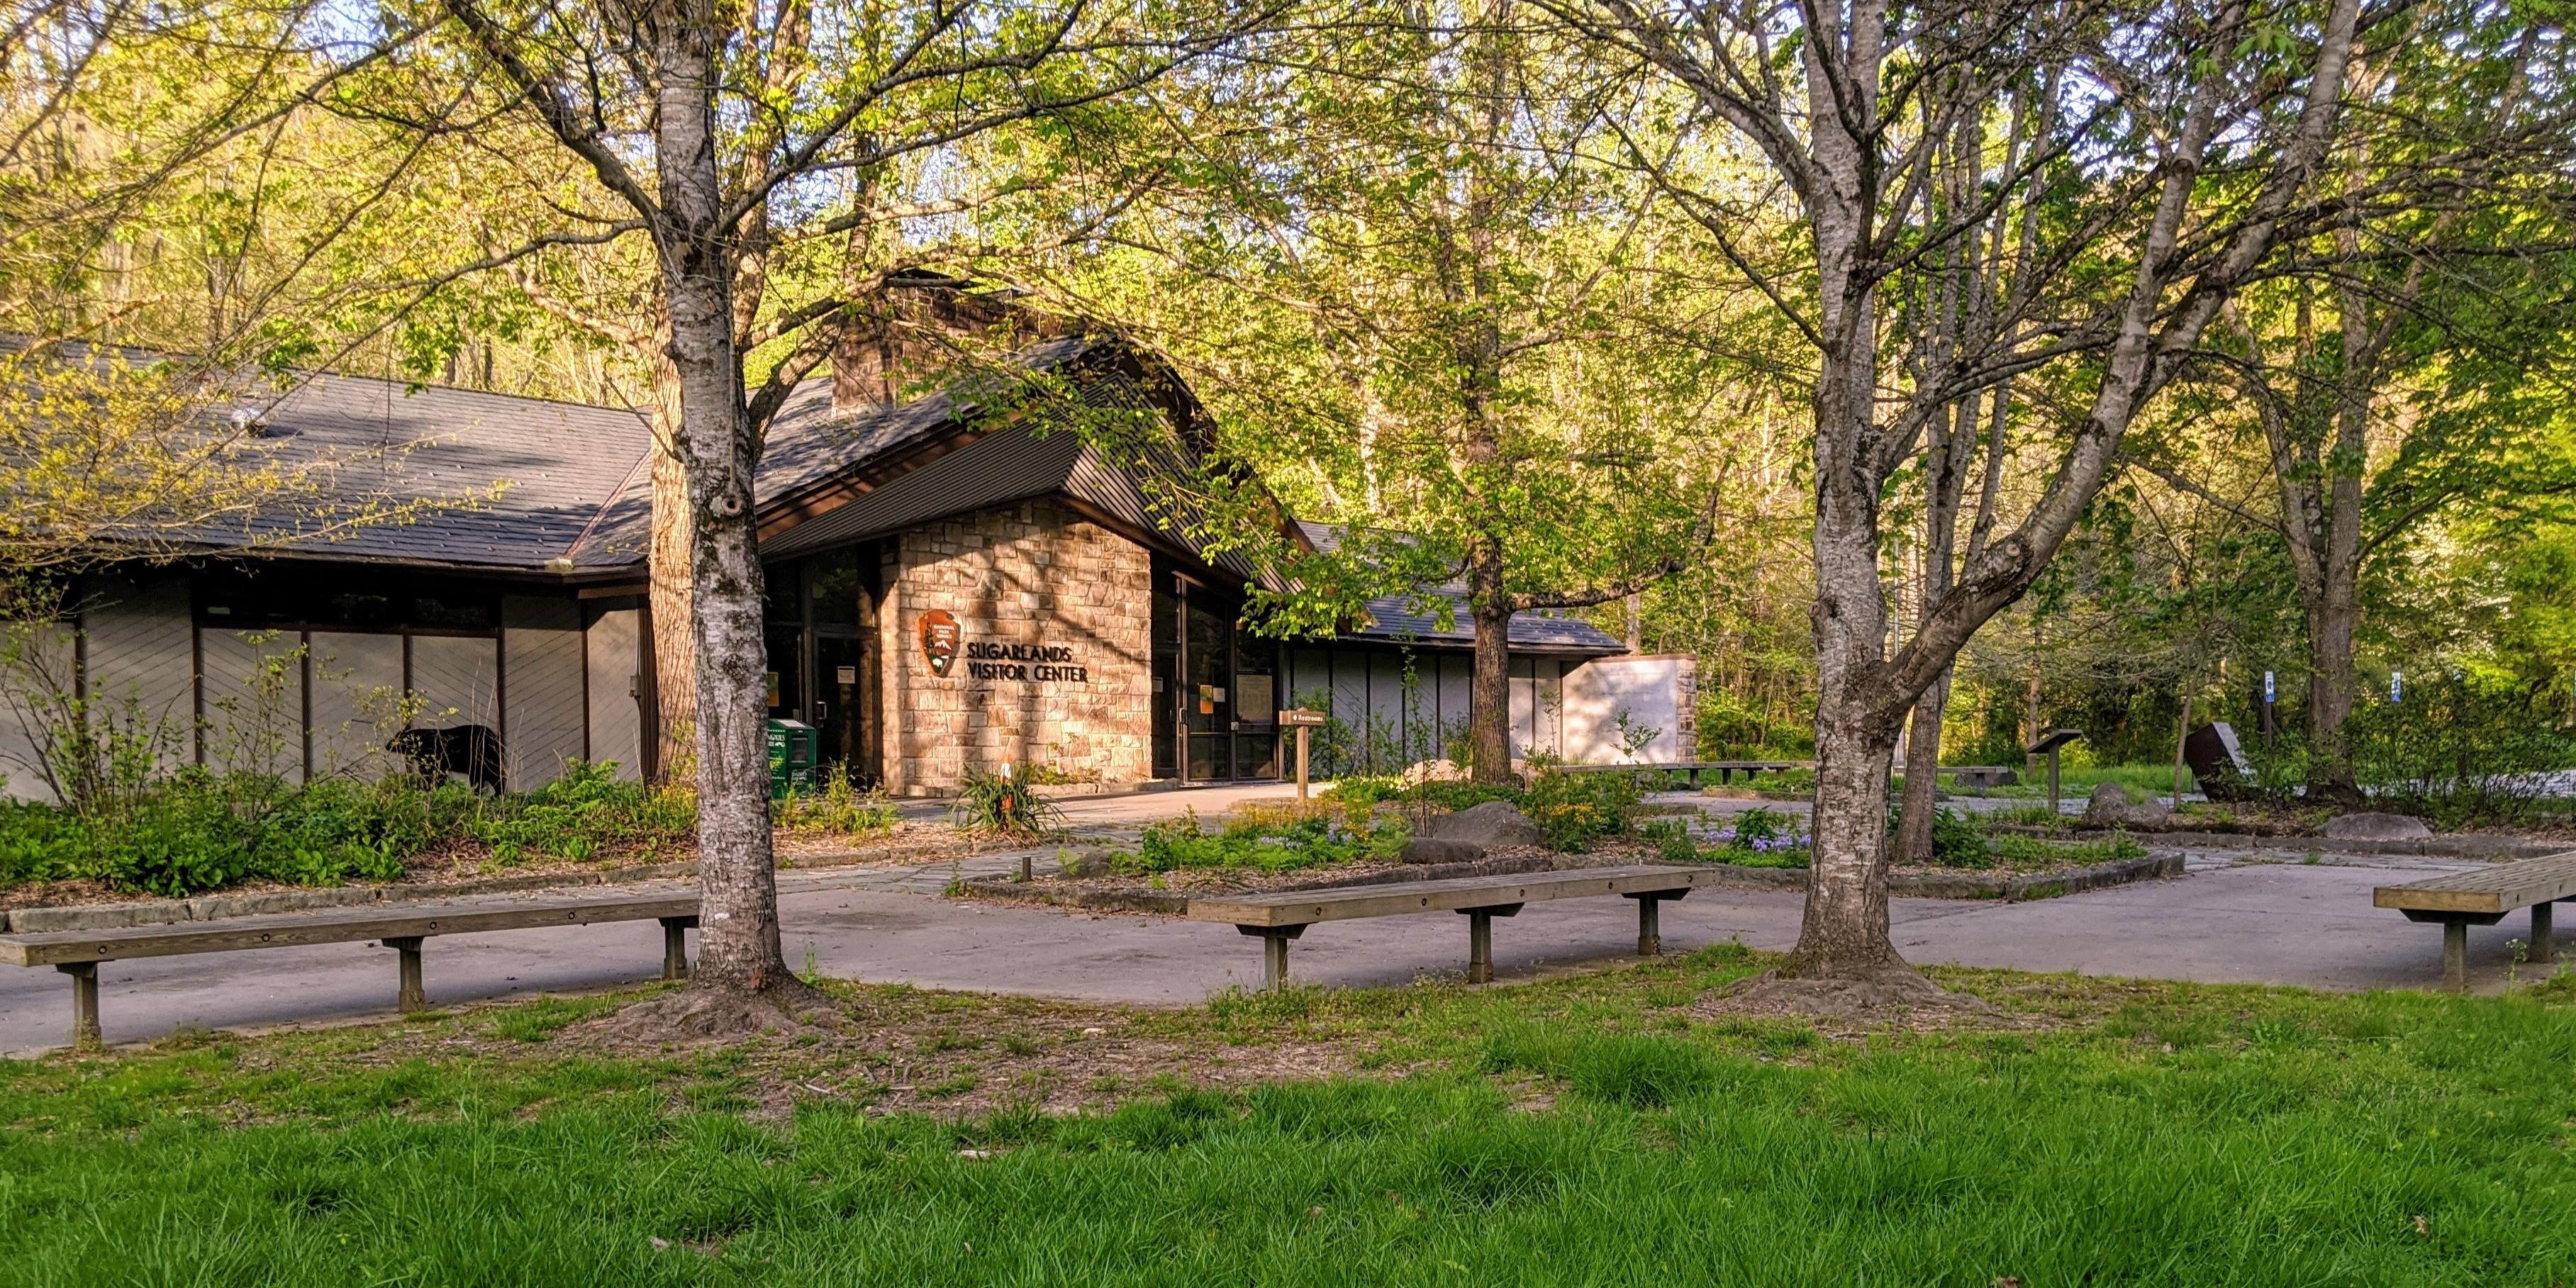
[(1207, 693), (840, 715)]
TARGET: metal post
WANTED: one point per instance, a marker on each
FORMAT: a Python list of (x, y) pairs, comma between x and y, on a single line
[(2455, 955), (675, 946), (85, 1036), (2052, 780), (1274, 951), (1480, 939), (2544, 946), (409, 997)]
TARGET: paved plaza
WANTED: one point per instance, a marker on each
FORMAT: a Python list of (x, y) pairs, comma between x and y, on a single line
[(2236, 917)]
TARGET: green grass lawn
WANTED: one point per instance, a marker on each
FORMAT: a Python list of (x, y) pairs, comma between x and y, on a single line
[(1598, 1129), (2142, 781)]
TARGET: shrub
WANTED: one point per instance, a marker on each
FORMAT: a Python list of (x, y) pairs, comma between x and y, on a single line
[(1762, 838), (1359, 791), (193, 831), (1571, 810), (1257, 842), (2032, 850), (1458, 795), (196, 831), (585, 814), (2458, 751), (1006, 803), (1958, 843), (838, 807)]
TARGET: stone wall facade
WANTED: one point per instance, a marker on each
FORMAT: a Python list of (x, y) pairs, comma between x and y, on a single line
[(1053, 662)]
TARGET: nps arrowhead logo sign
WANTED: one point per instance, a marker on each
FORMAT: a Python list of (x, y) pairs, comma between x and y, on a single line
[(939, 638)]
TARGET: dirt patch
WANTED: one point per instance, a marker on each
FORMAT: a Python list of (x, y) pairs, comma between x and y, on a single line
[(1894, 1001), (891, 1051)]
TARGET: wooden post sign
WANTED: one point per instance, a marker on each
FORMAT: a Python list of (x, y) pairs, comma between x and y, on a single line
[(1304, 720)]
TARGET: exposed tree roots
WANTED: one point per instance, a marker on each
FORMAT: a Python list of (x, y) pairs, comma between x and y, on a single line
[(705, 1012), (1895, 992)]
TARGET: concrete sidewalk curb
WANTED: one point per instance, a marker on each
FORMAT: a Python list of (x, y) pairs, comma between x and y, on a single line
[(2436, 847), (1174, 903), (2008, 889)]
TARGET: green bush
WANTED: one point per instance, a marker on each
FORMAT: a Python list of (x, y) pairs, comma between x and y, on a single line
[(2458, 752), (2024, 851), (838, 807), (1006, 803), (1359, 791), (194, 831), (1458, 794), (588, 813), (1958, 843), (1572, 810), (1315, 840)]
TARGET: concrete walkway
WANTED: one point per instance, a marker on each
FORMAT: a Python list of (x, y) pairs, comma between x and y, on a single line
[(2234, 918)]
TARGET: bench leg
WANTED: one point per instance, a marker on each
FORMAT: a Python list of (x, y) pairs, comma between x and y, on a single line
[(2455, 955), (85, 1036), (1650, 927), (409, 997), (1274, 952), (1480, 939), (2544, 946), (675, 946)]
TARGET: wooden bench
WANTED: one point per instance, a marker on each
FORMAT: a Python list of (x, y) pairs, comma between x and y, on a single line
[(1278, 918), (400, 926), (2459, 900), (1981, 777), (1692, 769)]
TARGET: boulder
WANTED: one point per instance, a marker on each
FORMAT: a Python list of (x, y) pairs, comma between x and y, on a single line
[(2108, 806), (1441, 849), (1431, 771), (2375, 827), (1093, 862), (1492, 823)]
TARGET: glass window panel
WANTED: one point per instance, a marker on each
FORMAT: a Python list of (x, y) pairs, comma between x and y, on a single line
[(778, 594), (833, 586)]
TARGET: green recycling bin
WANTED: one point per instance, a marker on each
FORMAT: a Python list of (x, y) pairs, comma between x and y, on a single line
[(791, 757)]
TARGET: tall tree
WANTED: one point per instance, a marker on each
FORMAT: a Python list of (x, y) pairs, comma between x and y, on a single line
[(707, 124), (1498, 382), (179, 211), (2170, 145), (2397, 369)]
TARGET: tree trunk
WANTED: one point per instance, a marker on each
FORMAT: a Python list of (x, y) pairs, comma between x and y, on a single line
[(675, 641), (739, 945), (2182, 735), (1489, 693), (1844, 933), (1922, 773), (2030, 699), (2331, 687)]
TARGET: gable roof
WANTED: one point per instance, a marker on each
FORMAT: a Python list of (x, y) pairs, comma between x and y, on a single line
[(1395, 618), (560, 467), (573, 480), (575, 489)]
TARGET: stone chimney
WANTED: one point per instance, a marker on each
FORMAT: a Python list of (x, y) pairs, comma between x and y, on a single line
[(920, 324)]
